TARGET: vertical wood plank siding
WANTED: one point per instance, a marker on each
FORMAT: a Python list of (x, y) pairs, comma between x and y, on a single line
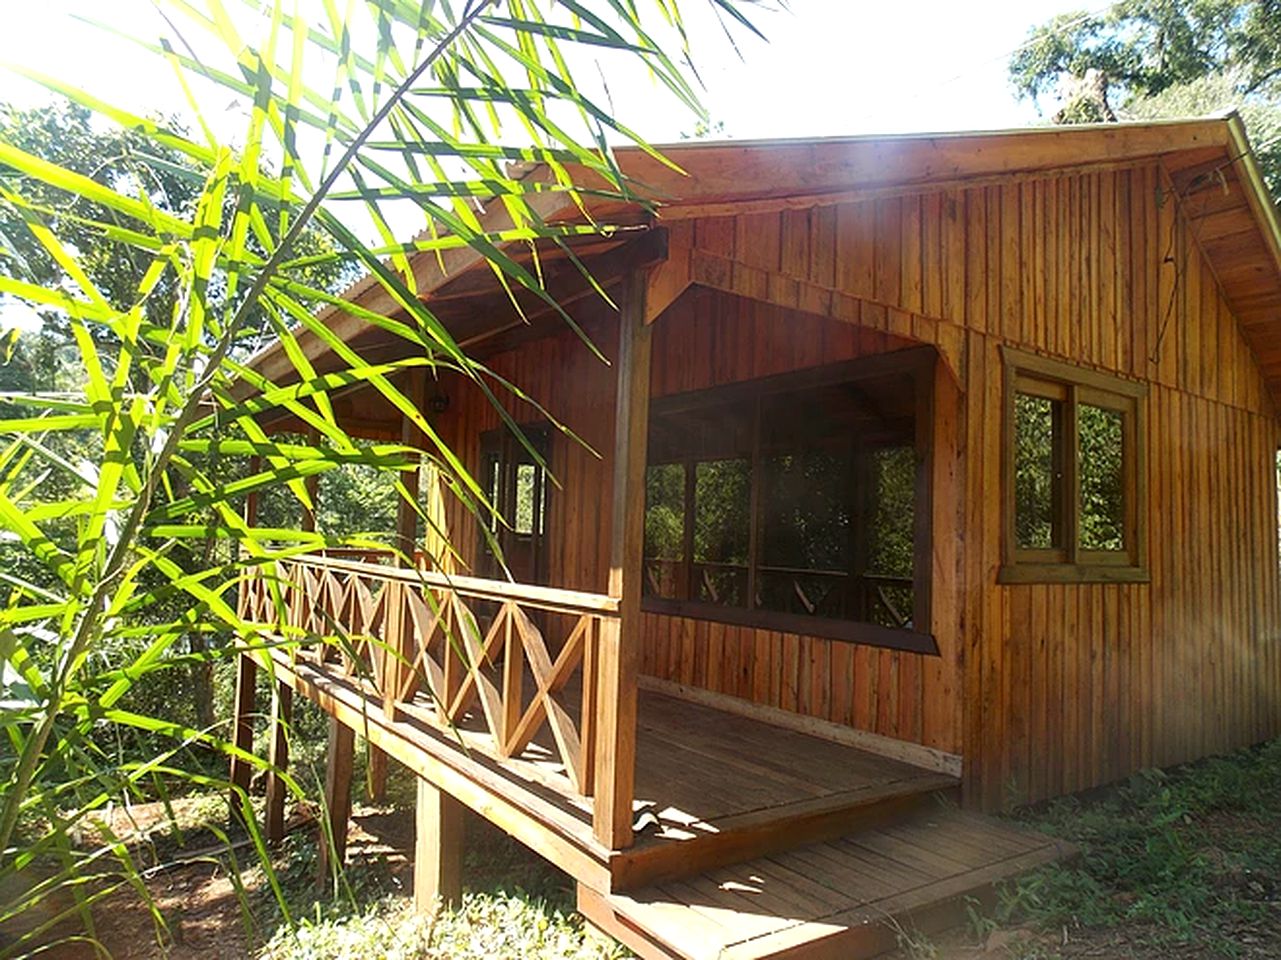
[(1044, 688)]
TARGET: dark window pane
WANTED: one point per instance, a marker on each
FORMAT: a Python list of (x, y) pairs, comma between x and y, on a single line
[(892, 523), (722, 508), (806, 511), (1100, 433), (805, 532), (891, 543), (1038, 478), (664, 528)]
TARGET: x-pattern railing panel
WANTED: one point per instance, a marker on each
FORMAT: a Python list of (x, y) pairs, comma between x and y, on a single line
[(411, 632)]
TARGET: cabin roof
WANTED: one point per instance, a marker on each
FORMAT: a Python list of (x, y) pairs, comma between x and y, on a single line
[(1212, 172)]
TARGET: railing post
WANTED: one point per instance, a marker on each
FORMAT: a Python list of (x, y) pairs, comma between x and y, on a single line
[(587, 724), (619, 641)]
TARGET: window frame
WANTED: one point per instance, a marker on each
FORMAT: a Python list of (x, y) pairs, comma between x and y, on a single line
[(918, 362), (1035, 375)]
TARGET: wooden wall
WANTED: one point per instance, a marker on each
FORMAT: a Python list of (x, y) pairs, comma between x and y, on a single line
[(1045, 689)]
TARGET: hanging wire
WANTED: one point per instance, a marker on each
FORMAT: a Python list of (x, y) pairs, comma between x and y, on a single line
[(1193, 224)]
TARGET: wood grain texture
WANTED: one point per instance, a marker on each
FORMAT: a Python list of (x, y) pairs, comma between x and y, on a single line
[(1044, 688)]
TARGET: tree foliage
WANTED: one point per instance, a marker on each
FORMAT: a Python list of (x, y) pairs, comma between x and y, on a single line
[(1147, 58)]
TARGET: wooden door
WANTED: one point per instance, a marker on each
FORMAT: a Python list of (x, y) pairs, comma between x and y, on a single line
[(516, 483)]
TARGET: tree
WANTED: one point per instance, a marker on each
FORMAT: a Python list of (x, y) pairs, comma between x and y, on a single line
[(63, 133), (1153, 58), (427, 117)]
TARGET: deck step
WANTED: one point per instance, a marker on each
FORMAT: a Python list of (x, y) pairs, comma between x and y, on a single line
[(678, 851), (850, 897)]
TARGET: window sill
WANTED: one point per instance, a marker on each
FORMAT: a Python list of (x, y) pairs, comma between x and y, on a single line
[(850, 631), (1071, 573)]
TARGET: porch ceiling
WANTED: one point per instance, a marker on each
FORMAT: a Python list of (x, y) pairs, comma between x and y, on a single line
[(480, 313)]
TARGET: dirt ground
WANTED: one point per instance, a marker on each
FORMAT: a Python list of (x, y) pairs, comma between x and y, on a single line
[(203, 912), (205, 919)]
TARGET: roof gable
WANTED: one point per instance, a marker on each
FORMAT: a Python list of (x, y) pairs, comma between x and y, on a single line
[(1213, 175)]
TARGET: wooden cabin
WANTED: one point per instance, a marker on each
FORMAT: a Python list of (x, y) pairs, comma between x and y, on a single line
[(915, 467)]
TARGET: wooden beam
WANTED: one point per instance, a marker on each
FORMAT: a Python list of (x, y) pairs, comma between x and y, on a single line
[(620, 637), (282, 703), (439, 822), (338, 770), (667, 282)]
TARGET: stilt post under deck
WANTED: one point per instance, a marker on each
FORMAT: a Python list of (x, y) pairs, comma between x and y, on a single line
[(243, 733), (620, 637), (282, 704), (438, 848), (338, 771)]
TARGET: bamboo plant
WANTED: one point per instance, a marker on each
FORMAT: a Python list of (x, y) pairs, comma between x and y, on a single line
[(110, 488)]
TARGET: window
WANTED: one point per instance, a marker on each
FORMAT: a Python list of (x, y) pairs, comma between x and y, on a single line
[(791, 503), (1073, 474)]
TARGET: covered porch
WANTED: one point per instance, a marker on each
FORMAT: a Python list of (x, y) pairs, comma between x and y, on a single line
[(455, 678)]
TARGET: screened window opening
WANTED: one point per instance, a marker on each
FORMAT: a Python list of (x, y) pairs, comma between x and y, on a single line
[(1074, 509), (791, 503)]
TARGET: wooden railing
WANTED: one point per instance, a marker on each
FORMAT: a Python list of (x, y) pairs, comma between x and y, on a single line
[(457, 641), (873, 597)]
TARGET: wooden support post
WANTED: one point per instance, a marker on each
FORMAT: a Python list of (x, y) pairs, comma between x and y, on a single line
[(619, 640), (338, 768), (438, 848), (397, 635), (251, 521), (243, 733), (282, 704)]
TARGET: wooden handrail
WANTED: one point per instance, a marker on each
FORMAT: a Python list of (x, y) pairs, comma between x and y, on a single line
[(416, 632), (551, 599)]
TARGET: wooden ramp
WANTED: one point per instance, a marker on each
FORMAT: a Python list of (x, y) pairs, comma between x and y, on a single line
[(844, 898)]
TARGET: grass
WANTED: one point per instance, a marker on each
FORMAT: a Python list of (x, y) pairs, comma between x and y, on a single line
[(1182, 858), (515, 905), (1173, 864)]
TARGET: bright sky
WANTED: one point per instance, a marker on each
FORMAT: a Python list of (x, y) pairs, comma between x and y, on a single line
[(831, 67)]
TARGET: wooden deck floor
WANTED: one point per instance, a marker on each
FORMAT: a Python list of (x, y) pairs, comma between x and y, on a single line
[(714, 787), (711, 788), (846, 898)]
